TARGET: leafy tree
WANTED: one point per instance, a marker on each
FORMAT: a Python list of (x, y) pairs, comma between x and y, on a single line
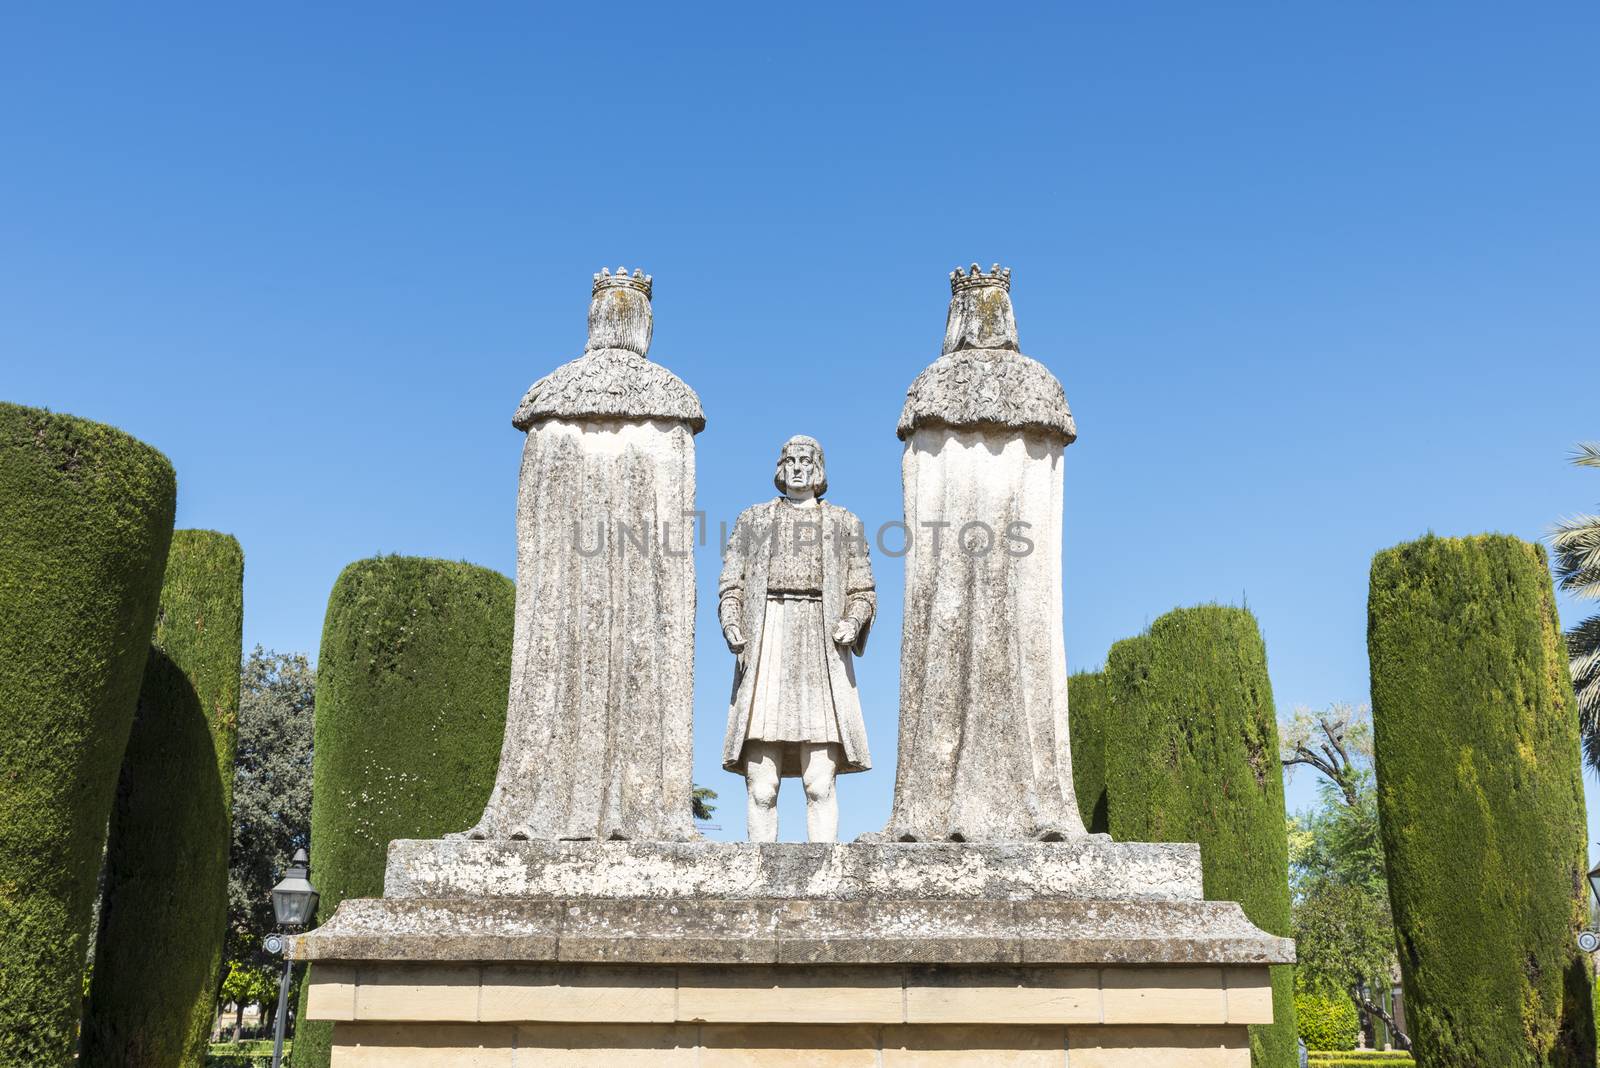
[(1343, 929), (1576, 542), (271, 802), (249, 984), (1336, 742), (700, 802)]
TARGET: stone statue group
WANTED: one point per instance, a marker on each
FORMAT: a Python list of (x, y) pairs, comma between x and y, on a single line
[(599, 721)]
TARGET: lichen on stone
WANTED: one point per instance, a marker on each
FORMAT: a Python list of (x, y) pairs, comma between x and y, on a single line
[(610, 383)]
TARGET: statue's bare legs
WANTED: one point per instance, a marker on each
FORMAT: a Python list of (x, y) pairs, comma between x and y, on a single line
[(818, 769), (762, 763)]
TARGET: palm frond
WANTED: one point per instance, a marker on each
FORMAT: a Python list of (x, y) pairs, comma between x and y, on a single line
[(1583, 583), (1587, 454), (1575, 544), (1583, 650), (1580, 531)]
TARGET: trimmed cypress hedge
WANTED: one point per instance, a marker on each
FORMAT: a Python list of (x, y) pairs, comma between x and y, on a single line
[(411, 707), (1088, 720), (165, 904), (1194, 758), (1326, 1020), (1481, 802), (85, 521)]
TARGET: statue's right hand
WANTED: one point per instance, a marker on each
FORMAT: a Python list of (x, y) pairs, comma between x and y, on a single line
[(735, 637)]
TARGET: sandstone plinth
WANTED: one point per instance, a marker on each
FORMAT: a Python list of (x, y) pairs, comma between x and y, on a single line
[(593, 953)]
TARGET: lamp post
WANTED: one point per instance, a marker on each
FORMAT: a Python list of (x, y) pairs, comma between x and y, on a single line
[(1589, 941), (294, 902)]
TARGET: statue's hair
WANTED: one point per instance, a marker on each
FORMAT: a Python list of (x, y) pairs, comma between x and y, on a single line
[(821, 482)]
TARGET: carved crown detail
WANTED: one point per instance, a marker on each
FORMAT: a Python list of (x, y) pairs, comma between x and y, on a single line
[(997, 276), (606, 280)]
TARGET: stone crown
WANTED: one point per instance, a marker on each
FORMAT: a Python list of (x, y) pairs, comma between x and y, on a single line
[(997, 276), (606, 280)]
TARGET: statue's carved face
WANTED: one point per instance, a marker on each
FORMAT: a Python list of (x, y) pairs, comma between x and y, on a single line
[(799, 469)]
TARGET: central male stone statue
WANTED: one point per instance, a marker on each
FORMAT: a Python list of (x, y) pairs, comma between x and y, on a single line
[(796, 599)]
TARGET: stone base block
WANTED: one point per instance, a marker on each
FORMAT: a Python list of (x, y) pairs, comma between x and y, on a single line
[(379, 1045), (389, 992), (1083, 954)]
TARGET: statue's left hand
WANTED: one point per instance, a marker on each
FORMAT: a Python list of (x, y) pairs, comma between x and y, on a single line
[(845, 632)]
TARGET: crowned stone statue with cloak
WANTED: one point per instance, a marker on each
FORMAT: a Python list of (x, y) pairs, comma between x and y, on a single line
[(984, 752), (598, 726), (796, 601)]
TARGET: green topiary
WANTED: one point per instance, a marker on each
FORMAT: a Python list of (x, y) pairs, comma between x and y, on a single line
[(85, 520), (1326, 1021), (411, 706), (1481, 802), (1194, 758), (164, 908), (1088, 719)]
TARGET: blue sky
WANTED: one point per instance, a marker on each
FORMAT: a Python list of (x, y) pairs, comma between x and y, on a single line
[(1317, 279)]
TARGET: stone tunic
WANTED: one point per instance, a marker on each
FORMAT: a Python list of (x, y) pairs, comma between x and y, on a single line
[(792, 701), (792, 682)]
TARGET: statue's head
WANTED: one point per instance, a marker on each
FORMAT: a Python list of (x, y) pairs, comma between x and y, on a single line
[(980, 310), (801, 467), (619, 311)]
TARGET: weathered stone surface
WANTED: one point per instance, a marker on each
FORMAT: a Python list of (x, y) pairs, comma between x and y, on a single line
[(1089, 869), (720, 931), (600, 712), (984, 751)]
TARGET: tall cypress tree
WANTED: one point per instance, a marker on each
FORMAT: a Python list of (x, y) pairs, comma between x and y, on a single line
[(411, 707), (85, 521), (1480, 802), (164, 908), (1194, 758), (1089, 720)]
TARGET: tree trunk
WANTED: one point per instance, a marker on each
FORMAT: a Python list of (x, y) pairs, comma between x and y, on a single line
[(1401, 1039), (238, 1019)]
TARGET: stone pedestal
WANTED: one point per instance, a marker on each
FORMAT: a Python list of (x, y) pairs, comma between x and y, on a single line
[(1088, 953)]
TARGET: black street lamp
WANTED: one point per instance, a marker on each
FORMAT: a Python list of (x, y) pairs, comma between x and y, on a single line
[(294, 902), (1589, 941)]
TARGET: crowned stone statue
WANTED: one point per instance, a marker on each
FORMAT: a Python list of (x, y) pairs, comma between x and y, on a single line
[(598, 725), (985, 754), (796, 601)]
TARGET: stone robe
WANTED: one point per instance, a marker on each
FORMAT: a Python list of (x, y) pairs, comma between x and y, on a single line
[(984, 748), (847, 589)]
